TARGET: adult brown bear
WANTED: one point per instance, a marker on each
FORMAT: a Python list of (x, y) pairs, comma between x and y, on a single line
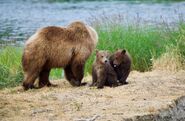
[(55, 47)]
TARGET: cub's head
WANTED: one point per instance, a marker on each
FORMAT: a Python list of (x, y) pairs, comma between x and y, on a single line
[(119, 57), (102, 57)]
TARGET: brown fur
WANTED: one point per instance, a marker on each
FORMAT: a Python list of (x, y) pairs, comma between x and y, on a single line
[(102, 72), (56, 47), (121, 61)]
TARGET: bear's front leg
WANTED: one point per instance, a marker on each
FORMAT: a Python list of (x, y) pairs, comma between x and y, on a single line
[(29, 79)]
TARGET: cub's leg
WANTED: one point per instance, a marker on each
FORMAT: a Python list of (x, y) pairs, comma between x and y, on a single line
[(94, 77), (111, 76), (112, 81), (101, 79), (124, 77)]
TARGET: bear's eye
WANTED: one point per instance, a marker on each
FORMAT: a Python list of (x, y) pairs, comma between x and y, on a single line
[(102, 56)]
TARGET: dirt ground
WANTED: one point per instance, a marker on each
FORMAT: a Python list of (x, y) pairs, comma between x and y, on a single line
[(146, 93)]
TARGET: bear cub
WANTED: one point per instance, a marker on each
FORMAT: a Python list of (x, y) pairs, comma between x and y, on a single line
[(121, 62), (102, 72)]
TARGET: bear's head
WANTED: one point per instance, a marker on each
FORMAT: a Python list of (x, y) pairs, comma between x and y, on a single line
[(118, 57), (102, 57)]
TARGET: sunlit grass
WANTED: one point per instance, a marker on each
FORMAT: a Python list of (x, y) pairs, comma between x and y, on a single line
[(149, 47), (11, 73), (10, 67), (144, 43)]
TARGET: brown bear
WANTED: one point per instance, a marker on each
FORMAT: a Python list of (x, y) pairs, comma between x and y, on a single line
[(102, 71), (121, 61), (55, 47)]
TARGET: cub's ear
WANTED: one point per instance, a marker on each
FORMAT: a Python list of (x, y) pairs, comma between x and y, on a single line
[(123, 51), (108, 53), (96, 51)]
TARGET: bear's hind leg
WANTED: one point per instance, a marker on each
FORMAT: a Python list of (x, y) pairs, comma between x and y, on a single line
[(69, 75), (29, 79), (78, 72), (74, 74), (44, 79)]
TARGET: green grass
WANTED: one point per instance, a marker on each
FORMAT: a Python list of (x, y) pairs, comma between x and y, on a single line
[(10, 67), (144, 44), (11, 73)]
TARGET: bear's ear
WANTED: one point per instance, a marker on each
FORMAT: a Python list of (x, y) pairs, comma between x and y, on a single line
[(108, 52), (123, 51), (96, 51)]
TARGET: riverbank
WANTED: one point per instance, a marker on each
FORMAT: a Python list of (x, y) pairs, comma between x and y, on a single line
[(147, 94), (24, 21)]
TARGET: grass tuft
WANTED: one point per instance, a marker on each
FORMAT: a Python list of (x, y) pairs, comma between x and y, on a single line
[(10, 67), (171, 60)]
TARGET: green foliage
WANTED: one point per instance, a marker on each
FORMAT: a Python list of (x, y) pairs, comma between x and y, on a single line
[(181, 39), (10, 67), (142, 42), (56, 74)]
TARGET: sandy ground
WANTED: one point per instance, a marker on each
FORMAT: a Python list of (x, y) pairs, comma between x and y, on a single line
[(146, 93)]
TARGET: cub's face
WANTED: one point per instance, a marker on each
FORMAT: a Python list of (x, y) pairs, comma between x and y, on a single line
[(118, 57), (102, 57)]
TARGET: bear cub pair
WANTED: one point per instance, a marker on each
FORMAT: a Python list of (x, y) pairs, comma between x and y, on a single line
[(110, 70)]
